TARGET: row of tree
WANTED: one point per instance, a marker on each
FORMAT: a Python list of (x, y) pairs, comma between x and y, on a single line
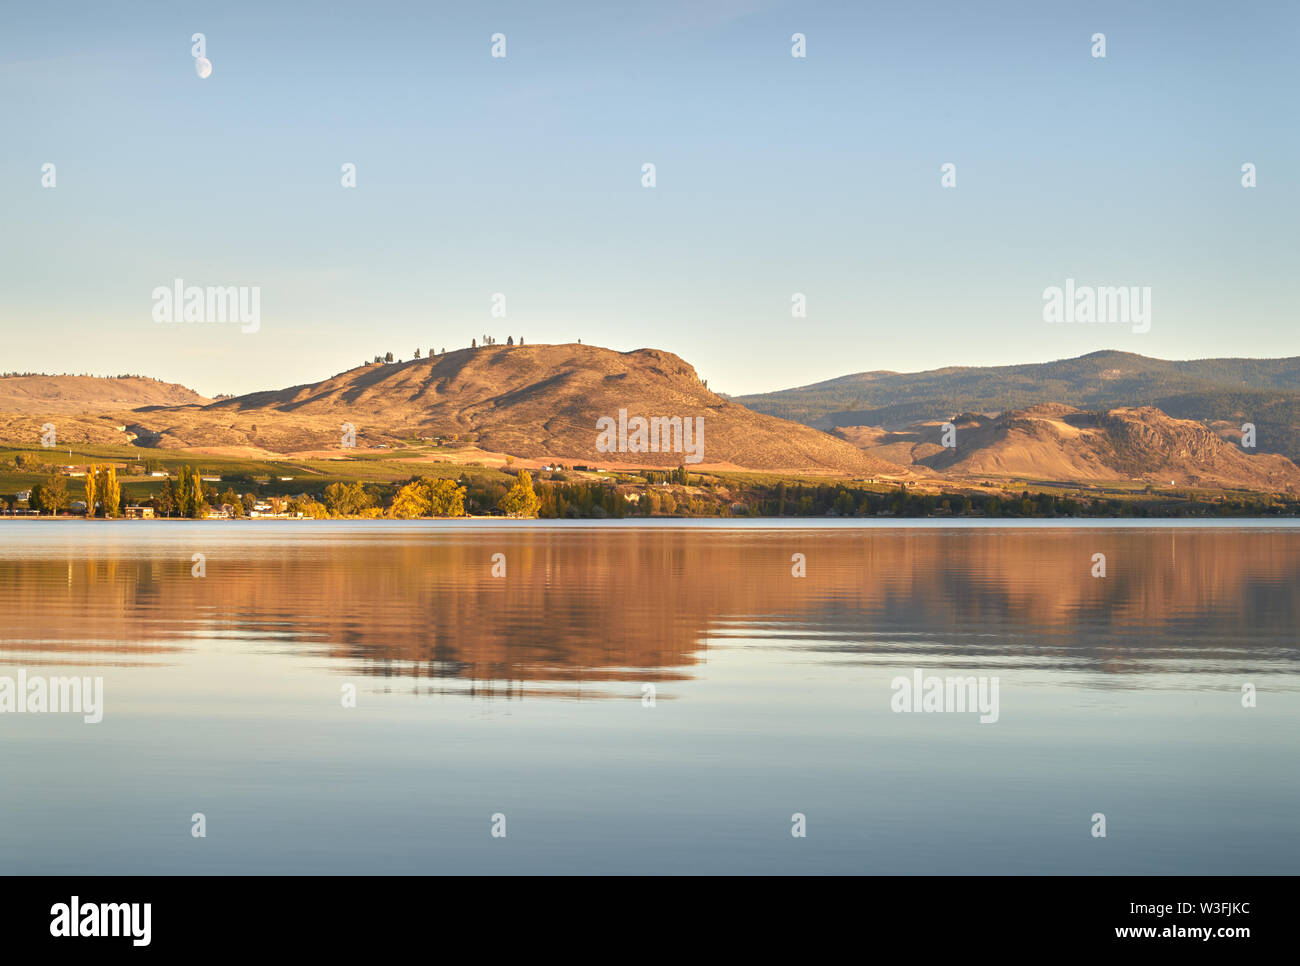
[(430, 497), (82, 375), (103, 492), (183, 495), (473, 344)]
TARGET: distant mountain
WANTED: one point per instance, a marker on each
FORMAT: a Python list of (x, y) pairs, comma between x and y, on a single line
[(1222, 393), (1059, 443), (49, 395), (536, 401)]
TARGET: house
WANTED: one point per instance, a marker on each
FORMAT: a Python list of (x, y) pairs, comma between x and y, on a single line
[(284, 479), (22, 496), (139, 512), (158, 473), (210, 479), (77, 506)]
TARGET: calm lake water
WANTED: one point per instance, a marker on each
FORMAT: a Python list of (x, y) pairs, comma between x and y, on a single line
[(525, 695)]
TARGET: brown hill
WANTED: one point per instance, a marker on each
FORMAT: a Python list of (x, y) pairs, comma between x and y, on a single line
[(537, 401), (1056, 442), (42, 395)]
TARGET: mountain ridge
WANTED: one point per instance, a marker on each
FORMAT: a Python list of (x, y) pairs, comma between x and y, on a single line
[(545, 403), (1223, 391)]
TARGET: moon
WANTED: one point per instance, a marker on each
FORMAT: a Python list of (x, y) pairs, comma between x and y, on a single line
[(203, 67)]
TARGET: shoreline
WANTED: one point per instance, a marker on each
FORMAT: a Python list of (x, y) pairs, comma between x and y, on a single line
[(759, 523)]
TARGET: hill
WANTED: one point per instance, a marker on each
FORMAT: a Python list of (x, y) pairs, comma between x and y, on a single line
[(49, 395), (537, 401), (1221, 393), (1060, 443)]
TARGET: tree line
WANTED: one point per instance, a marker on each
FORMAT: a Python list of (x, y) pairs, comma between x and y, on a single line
[(473, 344)]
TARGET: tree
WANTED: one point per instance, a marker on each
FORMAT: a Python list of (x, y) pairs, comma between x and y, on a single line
[(109, 491), (304, 504), (417, 353), (510, 340), (231, 498), (428, 497), (167, 504), (521, 500), (388, 357), (50, 496), (189, 494), (443, 352), (521, 340), (473, 343), (92, 489), (198, 503), (346, 499), (182, 489)]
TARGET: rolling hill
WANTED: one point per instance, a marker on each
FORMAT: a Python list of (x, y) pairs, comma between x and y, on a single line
[(543, 402), (49, 395), (536, 401), (1221, 393)]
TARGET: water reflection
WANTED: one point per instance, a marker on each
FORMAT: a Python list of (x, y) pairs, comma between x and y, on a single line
[(582, 607)]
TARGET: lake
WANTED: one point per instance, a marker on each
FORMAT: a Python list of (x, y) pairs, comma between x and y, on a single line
[(653, 697)]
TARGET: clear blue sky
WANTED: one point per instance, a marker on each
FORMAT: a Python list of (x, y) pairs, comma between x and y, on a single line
[(523, 176)]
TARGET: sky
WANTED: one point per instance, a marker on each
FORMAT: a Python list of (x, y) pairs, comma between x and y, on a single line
[(523, 175)]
